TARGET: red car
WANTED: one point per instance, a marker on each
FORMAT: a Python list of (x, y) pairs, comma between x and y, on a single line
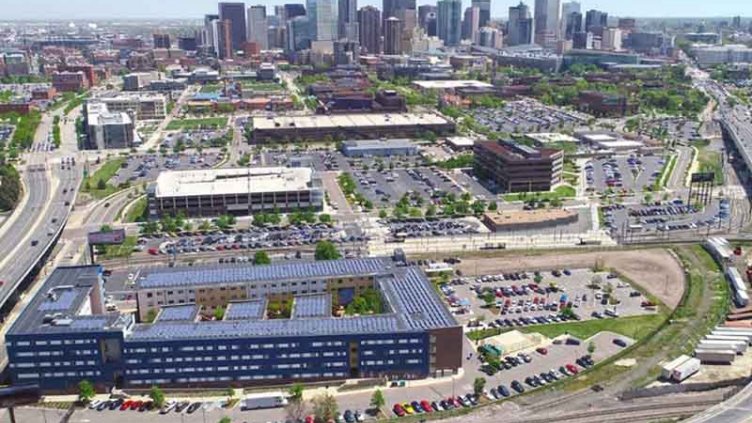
[(456, 402), (426, 406), (310, 419), (398, 410), (126, 405), (136, 404), (542, 351), (572, 369)]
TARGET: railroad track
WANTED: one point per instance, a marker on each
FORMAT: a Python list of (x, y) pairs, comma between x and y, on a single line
[(630, 413)]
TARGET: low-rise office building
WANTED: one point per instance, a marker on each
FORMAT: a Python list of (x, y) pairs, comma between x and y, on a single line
[(215, 192), (513, 167), (64, 336), (349, 126), (379, 148), (106, 129), (143, 105)]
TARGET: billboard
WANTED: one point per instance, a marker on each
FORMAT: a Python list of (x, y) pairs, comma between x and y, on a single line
[(114, 237)]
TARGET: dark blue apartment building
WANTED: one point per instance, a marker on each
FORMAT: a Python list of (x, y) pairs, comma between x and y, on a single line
[(65, 336)]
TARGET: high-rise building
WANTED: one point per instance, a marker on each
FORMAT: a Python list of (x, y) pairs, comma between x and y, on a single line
[(471, 24), (369, 26), (736, 22), (573, 25), (347, 20), (485, 11), (547, 17), (279, 12), (449, 21), (406, 12), (258, 26), (611, 39), (322, 19), (298, 37), (582, 40), (293, 10), (223, 36), (519, 26), (490, 37), (595, 21), (627, 24), (570, 7), (208, 33), (235, 14), (392, 36), (427, 19), (162, 41)]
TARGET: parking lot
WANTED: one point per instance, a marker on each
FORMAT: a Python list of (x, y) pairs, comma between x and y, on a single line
[(668, 216), (196, 138), (623, 173), (524, 299), (142, 168), (529, 116), (439, 227)]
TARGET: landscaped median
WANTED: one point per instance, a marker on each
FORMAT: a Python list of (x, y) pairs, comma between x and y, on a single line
[(202, 123), (560, 193), (97, 184)]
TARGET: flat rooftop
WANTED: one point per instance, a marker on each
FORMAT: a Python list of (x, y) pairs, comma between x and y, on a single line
[(550, 137), (371, 144), (451, 84), (188, 183), (526, 217), (361, 120), (63, 305)]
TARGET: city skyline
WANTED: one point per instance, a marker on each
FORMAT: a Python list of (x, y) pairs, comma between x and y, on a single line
[(174, 9)]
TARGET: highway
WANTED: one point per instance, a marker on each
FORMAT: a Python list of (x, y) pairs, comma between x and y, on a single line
[(39, 219)]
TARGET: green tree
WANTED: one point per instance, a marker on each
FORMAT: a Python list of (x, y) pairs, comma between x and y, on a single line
[(219, 313), (383, 214), (151, 315), (325, 407), (591, 348), (261, 257), (85, 391), (478, 385), (493, 206), (157, 396), (296, 407), (326, 250), (225, 419), (101, 184), (325, 218), (377, 400), (105, 228)]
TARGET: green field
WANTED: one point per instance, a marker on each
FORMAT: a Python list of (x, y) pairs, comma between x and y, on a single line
[(119, 251), (635, 327), (261, 86), (97, 184), (564, 191), (205, 123), (138, 211)]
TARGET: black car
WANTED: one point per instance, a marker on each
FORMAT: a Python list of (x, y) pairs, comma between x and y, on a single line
[(193, 407), (182, 406), (517, 386), (620, 342), (114, 405), (530, 381), (503, 391), (348, 416), (103, 405)]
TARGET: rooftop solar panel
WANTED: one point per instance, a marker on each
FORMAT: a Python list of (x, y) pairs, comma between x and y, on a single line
[(246, 310), (61, 300), (181, 312), (317, 305)]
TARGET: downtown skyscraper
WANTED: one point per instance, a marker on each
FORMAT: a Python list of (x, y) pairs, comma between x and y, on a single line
[(484, 6), (449, 21), (322, 19), (369, 27), (235, 14), (258, 26), (520, 25), (547, 18), (347, 20)]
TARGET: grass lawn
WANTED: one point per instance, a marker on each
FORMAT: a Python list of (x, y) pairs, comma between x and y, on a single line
[(635, 327), (91, 183), (120, 251), (137, 212), (209, 123), (261, 86), (564, 191), (666, 172), (210, 88), (710, 161)]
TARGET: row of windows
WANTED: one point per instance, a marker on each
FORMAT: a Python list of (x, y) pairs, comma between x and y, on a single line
[(43, 343), (391, 341), (89, 373), (55, 363), (54, 353)]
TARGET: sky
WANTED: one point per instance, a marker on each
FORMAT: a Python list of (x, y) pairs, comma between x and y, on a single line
[(155, 9)]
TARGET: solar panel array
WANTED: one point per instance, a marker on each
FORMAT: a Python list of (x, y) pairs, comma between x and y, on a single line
[(265, 328), (414, 299), (180, 312), (244, 310), (89, 322), (64, 299), (316, 305), (236, 274)]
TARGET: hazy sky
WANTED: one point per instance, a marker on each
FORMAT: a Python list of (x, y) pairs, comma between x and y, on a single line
[(85, 9)]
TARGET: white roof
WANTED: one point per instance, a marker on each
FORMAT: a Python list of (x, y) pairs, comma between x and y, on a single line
[(549, 137), (620, 144), (461, 141), (232, 181), (450, 84), (598, 137), (362, 120)]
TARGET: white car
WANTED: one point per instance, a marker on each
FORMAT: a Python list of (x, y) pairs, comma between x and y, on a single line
[(94, 404)]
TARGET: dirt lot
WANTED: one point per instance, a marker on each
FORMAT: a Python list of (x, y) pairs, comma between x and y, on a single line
[(655, 270)]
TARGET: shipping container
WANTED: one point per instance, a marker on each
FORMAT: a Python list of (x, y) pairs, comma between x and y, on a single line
[(726, 337), (715, 356), (264, 400), (685, 370), (739, 346), (669, 367), (722, 332)]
